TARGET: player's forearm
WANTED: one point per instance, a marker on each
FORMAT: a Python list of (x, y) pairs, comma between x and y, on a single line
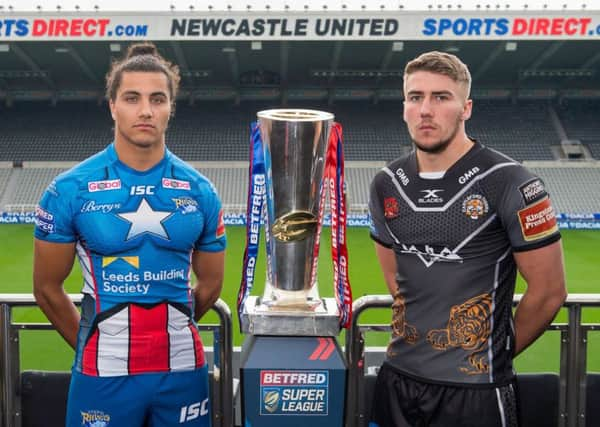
[(533, 315), (206, 293), (60, 311)]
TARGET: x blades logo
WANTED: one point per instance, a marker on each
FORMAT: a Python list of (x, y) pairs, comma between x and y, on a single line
[(431, 196)]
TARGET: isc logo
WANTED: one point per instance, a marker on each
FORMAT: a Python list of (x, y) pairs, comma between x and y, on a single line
[(193, 411), (140, 190)]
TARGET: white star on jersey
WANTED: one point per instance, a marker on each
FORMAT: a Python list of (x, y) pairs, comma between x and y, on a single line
[(146, 220)]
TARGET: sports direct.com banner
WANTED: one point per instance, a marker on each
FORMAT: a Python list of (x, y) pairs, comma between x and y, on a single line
[(259, 25), (565, 221)]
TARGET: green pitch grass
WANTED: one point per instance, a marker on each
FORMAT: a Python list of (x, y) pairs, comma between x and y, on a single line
[(46, 350)]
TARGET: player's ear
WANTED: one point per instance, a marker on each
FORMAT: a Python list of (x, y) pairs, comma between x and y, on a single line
[(111, 106), (467, 108)]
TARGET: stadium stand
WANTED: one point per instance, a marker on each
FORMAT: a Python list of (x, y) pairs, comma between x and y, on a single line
[(219, 131), (580, 119), (573, 189), (5, 173), (29, 183), (522, 131)]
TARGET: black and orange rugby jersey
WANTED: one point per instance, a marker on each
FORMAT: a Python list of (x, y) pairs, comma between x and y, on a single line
[(454, 239)]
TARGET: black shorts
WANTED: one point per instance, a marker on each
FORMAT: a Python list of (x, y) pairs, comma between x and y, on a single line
[(401, 401)]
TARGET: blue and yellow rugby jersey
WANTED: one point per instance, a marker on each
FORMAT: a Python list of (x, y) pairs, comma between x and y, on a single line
[(135, 233)]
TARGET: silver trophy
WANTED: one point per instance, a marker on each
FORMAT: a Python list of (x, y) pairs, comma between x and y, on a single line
[(295, 144)]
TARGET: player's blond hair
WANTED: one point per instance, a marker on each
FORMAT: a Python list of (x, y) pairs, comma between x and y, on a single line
[(441, 63)]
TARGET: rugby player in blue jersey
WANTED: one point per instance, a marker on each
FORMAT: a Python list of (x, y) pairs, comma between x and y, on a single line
[(452, 222), (141, 222)]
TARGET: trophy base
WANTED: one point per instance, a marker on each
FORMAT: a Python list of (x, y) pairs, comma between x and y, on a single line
[(303, 318)]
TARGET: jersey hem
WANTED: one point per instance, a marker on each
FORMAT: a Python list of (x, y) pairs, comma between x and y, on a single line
[(496, 384)]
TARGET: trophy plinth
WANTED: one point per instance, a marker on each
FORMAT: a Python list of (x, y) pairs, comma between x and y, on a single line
[(312, 318)]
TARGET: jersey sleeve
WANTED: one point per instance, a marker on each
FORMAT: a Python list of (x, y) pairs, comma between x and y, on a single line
[(213, 237), (377, 226), (527, 212), (53, 216)]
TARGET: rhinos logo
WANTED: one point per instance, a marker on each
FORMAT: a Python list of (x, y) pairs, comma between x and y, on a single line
[(271, 400), (468, 328), (94, 419)]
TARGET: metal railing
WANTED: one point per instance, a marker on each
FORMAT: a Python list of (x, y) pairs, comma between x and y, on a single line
[(10, 405), (573, 351)]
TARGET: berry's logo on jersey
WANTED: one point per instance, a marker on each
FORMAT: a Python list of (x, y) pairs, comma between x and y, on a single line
[(390, 208), (533, 191), (175, 184), (106, 185), (475, 206), (431, 196)]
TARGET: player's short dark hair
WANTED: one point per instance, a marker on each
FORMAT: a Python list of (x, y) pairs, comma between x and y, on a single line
[(441, 63), (142, 57)]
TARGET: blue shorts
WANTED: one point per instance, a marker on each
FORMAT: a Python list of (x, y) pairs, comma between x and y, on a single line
[(149, 400)]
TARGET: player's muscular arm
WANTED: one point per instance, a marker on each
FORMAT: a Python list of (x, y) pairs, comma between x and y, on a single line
[(209, 269), (387, 261), (543, 270), (52, 263)]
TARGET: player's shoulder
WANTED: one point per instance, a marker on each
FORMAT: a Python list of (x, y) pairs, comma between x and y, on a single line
[(401, 167), (184, 171), (90, 170), (499, 166)]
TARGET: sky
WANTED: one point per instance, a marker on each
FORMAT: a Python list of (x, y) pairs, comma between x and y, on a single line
[(12, 6)]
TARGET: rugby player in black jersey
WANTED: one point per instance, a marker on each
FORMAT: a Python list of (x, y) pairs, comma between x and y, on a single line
[(453, 221)]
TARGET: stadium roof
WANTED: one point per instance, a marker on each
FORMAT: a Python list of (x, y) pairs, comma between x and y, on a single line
[(551, 63), (300, 5)]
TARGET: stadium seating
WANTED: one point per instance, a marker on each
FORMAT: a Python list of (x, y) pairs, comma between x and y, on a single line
[(5, 173), (573, 190), (580, 119), (220, 132), (522, 131), (30, 183)]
